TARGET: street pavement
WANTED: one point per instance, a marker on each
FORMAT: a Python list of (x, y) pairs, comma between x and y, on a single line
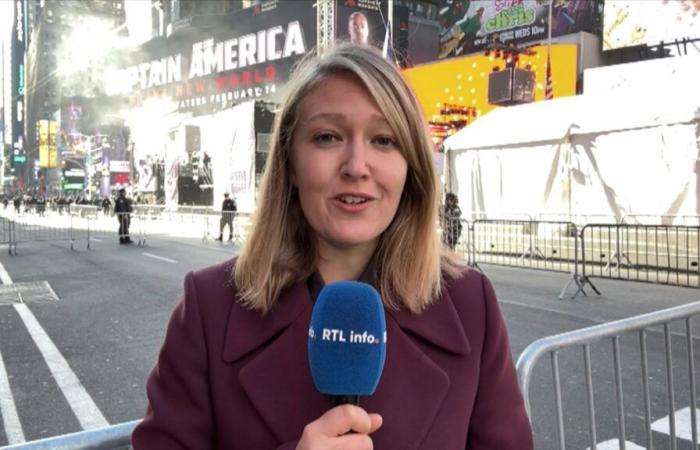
[(81, 361)]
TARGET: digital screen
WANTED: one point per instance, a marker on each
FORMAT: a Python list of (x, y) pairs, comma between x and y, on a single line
[(629, 23)]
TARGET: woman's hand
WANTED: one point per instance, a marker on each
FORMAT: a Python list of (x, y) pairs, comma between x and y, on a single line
[(332, 431)]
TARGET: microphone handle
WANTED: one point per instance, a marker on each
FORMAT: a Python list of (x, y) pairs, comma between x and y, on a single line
[(344, 400), (337, 400)]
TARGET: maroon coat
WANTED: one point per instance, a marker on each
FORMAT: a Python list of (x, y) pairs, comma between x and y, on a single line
[(227, 378)]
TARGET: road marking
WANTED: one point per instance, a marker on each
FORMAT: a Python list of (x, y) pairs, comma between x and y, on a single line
[(172, 261), (85, 409), (683, 424), (8, 409), (614, 444), (4, 276), (95, 239)]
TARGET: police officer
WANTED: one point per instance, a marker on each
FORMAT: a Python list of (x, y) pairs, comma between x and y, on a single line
[(228, 211), (122, 208)]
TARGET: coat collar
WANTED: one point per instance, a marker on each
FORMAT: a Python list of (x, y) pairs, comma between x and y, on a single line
[(247, 330), (274, 341), (439, 324)]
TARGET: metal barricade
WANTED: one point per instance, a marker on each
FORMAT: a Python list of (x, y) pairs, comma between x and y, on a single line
[(648, 404), (6, 237), (526, 243), (660, 219), (666, 254), (108, 438), (33, 228), (90, 211), (579, 219)]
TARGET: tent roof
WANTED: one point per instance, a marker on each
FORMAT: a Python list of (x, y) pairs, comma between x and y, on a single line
[(584, 114)]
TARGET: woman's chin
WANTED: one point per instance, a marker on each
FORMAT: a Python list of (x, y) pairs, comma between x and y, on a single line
[(353, 240)]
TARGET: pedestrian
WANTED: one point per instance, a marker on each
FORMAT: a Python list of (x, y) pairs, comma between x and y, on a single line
[(451, 217), (122, 208), (228, 213), (41, 205), (17, 202), (106, 206), (350, 192)]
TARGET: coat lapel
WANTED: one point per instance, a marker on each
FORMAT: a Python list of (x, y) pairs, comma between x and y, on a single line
[(278, 381), (413, 386)]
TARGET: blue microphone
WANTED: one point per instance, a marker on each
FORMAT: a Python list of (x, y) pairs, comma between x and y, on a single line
[(347, 341)]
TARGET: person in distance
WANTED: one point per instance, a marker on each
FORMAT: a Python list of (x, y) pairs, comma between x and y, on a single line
[(350, 192)]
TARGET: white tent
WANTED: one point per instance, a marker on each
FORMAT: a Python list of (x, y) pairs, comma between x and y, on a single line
[(610, 154)]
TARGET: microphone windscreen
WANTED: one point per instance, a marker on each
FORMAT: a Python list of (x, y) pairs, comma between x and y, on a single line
[(347, 339)]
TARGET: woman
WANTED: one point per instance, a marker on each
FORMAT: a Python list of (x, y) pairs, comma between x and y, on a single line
[(349, 192)]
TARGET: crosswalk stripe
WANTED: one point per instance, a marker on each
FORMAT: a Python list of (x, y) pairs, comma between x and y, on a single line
[(4, 276), (85, 409), (614, 444), (8, 409), (683, 424)]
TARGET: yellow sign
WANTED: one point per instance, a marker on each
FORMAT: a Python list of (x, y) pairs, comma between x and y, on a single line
[(53, 152), (464, 81), (47, 143)]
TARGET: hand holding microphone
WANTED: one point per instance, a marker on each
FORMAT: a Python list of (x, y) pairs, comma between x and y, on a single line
[(345, 427), (347, 349)]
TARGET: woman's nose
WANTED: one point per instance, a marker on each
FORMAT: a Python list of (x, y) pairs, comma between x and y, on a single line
[(355, 162)]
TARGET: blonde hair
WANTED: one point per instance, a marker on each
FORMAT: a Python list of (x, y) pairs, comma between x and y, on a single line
[(281, 249)]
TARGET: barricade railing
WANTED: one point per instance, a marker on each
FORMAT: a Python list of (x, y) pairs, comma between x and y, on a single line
[(666, 254), (6, 237), (559, 348), (579, 219), (108, 438), (660, 219), (91, 211), (540, 245), (471, 216), (33, 228)]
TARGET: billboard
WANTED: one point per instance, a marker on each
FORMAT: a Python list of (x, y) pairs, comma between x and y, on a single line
[(630, 23), (47, 130), (468, 26), (240, 57), (365, 22), (463, 82), (18, 83), (73, 175)]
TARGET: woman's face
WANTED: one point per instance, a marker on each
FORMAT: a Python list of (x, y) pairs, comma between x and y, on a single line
[(346, 164)]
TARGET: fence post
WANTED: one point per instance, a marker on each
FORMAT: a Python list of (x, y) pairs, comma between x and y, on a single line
[(72, 238), (10, 226)]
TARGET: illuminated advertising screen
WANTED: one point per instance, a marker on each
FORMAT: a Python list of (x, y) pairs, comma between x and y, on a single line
[(18, 83), (365, 22), (244, 56), (632, 22), (73, 174), (43, 131), (468, 26)]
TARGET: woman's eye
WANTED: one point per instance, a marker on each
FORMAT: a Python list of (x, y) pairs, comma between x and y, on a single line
[(325, 138), (385, 141)]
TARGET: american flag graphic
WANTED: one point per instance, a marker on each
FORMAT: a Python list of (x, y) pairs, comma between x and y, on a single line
[(548, 91)]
